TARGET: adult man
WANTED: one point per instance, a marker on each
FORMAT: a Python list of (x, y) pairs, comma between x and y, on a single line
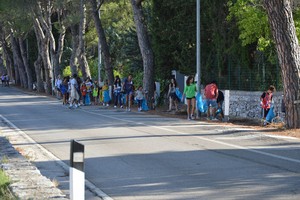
[(74, 96), (211, 94)]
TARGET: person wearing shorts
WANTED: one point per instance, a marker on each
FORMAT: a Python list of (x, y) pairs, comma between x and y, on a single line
[(190, 93), (211, 94), (128, 88)]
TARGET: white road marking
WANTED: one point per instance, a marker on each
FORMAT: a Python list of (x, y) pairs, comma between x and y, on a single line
[(205, 139), (88, 184)]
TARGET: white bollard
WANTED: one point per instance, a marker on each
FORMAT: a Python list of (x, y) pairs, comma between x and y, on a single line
[(226, 110), (77, 176)]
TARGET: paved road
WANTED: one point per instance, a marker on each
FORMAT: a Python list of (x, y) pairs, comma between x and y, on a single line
[(131, 155)]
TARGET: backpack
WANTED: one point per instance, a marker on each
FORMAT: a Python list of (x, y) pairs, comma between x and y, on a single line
[(210, 91)]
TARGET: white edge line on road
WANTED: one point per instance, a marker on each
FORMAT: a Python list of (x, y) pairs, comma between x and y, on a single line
[(89, 185), (206, 139)]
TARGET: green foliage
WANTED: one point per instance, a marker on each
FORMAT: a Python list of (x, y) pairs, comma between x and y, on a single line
[(173, 36), (252, 22), (4, 191), (67, 72)]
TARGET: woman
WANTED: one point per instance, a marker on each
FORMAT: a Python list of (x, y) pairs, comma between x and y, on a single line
[(173, 99), (190, 93), (117, 92)]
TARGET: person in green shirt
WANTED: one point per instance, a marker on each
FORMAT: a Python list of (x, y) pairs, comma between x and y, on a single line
[(189, 93)]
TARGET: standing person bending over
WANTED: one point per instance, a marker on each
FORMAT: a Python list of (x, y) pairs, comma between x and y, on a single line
[(211, 93), (266, 100), (190, 94), (128, 89), (172, 95)]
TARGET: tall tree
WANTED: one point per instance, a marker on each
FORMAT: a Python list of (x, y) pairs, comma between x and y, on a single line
[(283, 28), (81, 54), (103, 42), (24, 55), (42, 23), (145, 46)]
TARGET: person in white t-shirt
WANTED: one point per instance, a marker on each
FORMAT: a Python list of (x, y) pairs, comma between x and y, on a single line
[(74, 96)]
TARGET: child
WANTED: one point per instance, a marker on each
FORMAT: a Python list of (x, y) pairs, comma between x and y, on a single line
[(139, 97), (105, 92), (95, 92), (220, 101), (83, 90), (89, 85), (64, 90), (266, 100)]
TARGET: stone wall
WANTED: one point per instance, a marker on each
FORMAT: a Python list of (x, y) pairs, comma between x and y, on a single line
[(247, 104)]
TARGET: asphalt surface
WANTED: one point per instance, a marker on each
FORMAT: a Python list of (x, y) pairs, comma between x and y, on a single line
[(134, 155)]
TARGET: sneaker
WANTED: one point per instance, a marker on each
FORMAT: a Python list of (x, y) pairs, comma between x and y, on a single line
[(107, 104), (214, 119), (188, 118), (121, 106), (128, 110), (192, 117), (115, 106)]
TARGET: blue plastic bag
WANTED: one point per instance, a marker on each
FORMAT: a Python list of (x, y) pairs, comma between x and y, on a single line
[(201, 104), (144, 105), (87, 99), (270, 115), (106, 97), (178, 94)]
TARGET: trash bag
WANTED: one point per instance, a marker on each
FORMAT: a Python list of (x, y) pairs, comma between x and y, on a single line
[(270, 115), (201, 104), (178, 94), (106, 97), (87, 99), (144, 105)]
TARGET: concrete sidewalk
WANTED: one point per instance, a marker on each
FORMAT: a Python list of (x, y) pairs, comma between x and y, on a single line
[(33, 171)]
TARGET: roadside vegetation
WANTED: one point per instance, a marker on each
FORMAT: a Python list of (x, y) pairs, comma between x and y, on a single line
[(5, 193)]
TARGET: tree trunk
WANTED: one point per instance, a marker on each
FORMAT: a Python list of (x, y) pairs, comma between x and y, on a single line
[(44, 51), (25, 62), (18, 61), (8, 59), (73, 58), (59, 51), (145, 47), (103, 42), (284, 33), (38, 71), (81, 46)]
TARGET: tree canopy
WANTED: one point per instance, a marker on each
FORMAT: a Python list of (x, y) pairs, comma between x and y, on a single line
[(41, 39)]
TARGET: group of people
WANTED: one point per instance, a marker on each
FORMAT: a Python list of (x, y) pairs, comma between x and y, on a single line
[(5, 80), (76, 92), (213, 96)]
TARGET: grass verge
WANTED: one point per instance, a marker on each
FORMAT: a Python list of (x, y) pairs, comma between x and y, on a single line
[(5, 194)]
